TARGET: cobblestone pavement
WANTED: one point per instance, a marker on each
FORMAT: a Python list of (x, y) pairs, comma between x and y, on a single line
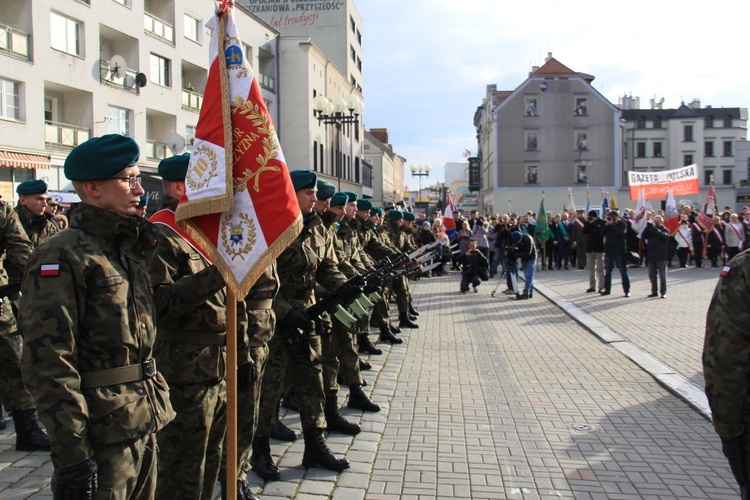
[(497, 398)]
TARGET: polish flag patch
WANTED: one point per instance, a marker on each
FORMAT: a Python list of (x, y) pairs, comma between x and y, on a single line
[(725, 271), (49, 270)]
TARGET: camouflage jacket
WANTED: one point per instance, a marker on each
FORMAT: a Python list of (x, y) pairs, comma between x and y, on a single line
[(348, 252), (726, 364), (87, 306), (256, 321), (38, 229), (373, 245), (14, 245), (398, 238), (190, 311)]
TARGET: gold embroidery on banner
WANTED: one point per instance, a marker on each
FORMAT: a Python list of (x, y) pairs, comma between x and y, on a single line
[(233, 235), (203, 169), (263, 126)]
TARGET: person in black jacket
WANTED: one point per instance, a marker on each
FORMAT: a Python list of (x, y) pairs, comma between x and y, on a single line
[(526, 251), (614, 232), (657, 246), (594, 251), (474, 265)]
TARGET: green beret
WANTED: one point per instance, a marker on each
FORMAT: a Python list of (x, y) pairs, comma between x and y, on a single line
[(376, 211), (174, 168), (143, 201), (394, 214), (101, 158), (364, 204), (409, 216), (339, 199), (33, 186), (352, 196), (303, 179), (325, 189)]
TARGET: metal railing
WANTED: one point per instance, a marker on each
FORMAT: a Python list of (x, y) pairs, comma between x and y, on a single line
[(14, 42), (125, 82), (191, 100), (62, 135), (158, 27), (157, 150)]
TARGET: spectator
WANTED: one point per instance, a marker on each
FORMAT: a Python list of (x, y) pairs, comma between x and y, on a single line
[(579, 240), (480, 233), (698, 236), (657, 246), (715, 242), (734, 236), (464, 235), (594, 251), (614, 232), (684, 242)]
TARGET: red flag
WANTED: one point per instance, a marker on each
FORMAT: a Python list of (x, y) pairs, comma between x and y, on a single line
[(448, 220), (706, 217), (671, 215), (240, 204)]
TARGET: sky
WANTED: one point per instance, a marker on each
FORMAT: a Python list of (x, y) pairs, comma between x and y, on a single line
[(427, 63)]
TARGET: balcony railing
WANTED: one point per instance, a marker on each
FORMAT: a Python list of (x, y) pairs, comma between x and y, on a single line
[(191, 100), (125, 81), (64, 136), (267, 82), (158, 27), (157, 150), (14, 43)]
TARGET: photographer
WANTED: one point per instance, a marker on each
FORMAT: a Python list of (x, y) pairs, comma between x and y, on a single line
[(506, 247), (525, 250), (475, 267)]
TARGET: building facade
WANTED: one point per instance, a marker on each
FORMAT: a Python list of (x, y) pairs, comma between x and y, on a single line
[(387, 167)]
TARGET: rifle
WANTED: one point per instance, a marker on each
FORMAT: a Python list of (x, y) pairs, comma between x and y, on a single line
[(10, 289)]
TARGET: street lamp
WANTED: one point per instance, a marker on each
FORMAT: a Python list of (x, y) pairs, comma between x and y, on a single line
[(332, 112), (420, 171)]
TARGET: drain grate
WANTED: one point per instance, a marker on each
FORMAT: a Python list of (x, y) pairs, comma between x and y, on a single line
[(578, 427)]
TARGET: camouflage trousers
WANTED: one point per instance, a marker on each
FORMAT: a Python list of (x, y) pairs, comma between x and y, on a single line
[(341, 359), (190, 447), (307, 381), (13, 393), (400, 287), (381, 313), (126, 470)]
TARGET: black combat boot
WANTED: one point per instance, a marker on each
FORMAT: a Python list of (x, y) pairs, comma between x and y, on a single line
[(365, 346), (243, 491), (335, 421), (359, 400), (387, 336), (262, 461), (29, 437), (405, 322), (280, 431), (413, 311), (317, 453), (394, 329), (364, 365), (290, 402)]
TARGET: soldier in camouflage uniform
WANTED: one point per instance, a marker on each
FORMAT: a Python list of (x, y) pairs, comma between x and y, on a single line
[(295, 346), (189, 350), (16, 249), (726, 365), (381, 314), (399, 286), (88, 315), (32, 202)]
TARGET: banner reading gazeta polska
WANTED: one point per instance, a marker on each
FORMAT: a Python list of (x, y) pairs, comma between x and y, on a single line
[(681, 181)]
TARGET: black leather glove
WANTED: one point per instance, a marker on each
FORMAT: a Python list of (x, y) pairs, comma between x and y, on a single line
[(246, 376), (77, 482), (349, 292), (734, 450), (298, 319)]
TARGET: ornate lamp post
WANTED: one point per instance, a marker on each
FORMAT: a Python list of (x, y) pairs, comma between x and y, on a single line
[(420, 171), (333, 112)]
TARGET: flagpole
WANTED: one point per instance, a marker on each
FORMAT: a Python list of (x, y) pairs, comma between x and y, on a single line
[(231, 438)]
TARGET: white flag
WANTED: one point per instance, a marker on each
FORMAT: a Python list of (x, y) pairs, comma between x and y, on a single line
[(639, 219)]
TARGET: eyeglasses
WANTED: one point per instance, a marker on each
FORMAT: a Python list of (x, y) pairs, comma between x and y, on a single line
[(133, 182)]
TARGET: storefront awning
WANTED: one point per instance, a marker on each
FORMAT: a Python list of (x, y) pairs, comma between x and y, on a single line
[(23, 160)]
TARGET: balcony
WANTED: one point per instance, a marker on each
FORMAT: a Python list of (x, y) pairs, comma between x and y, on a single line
[(124, 82), (158, 27), (14, 43), (156, 150), (191, 100), (267, 82), (64, 136)]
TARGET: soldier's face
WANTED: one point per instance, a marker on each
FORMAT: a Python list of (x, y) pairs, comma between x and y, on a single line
[(339, 210), (351, 209), (306, 200), (34, 203), (322, 206), (116, 195)]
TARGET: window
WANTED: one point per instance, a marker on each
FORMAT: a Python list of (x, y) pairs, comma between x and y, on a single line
[(727, 148), (580, 109), (532, 174), (353, 24), (531, 109), (657, 149), (160, 71), (708, 122), (687, 133), (726, 176), (531, 141), (582, 175), (640, 122), (10, 102), (582, 142), (687, 160), (353, 54), (193, 28), (359, 38), (625, 149), (728, 121), (708, 148), (66, 34), (640, 150), (315, 156), (657, 122), (708, 176), (119, 121)]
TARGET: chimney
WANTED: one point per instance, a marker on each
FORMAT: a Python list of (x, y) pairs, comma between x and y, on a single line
[(549, 56)]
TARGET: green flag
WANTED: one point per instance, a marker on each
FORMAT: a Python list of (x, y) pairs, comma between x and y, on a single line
[(542, 225)]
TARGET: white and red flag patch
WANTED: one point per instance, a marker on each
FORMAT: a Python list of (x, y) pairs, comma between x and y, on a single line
[(49, 270), (240, 204)]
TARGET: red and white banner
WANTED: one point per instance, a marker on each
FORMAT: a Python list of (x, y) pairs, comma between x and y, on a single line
[(671, 215), (706, 217), (240, 204), (681, 181), (448, 221)]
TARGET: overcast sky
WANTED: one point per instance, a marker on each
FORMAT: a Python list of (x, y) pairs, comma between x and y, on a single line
[(427, 63)]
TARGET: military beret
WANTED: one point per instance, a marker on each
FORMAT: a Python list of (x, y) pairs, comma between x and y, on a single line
[(325, 189), (409, 216), (101, 158), (32, 186), (339, 199), (143, 201), (174, 168), (376, 211), (395, 215), (303, 179), (352, 196), (364, 204)]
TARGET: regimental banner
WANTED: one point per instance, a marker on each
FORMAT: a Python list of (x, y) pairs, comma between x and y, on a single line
[(681, 181)]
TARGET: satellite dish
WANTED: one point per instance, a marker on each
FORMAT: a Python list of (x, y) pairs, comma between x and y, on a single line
[(140, 79), (129, 81), (117, 66), (176, 143)]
